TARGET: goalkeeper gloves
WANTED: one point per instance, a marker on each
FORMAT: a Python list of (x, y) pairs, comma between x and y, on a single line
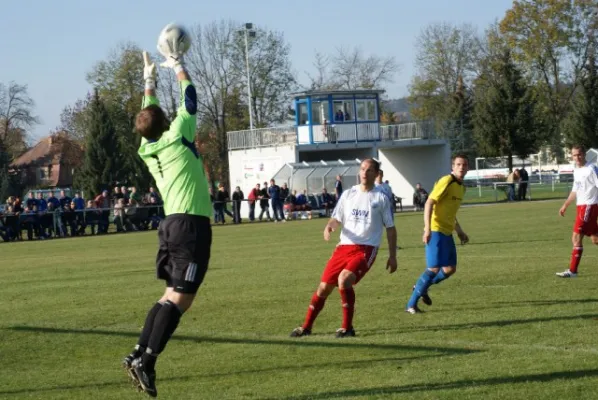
[(149, 72)]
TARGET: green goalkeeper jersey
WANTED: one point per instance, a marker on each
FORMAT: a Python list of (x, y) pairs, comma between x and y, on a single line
[(175, 163)]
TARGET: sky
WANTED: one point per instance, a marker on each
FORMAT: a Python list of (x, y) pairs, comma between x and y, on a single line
[(51, 45)]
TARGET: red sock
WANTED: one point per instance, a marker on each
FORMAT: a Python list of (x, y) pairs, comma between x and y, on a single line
[(575, 259), (315, 306), (348, 302)]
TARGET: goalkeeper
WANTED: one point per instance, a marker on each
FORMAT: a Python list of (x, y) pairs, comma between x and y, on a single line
[(185, 236)]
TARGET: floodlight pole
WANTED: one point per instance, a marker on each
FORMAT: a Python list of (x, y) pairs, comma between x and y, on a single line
[(248, 31)]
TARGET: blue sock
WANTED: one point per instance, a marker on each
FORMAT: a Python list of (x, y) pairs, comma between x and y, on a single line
[(421, 287), (440, 276)]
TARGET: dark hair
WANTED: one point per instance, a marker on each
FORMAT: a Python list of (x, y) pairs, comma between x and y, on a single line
[(151, 122), (460, 155), (578, 147), (374, 163)]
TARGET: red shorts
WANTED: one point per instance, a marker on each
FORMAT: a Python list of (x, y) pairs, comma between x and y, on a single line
[(586, 221), (353, 257)]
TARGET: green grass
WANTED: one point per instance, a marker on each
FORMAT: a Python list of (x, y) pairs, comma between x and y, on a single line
[(504, 327), (488, 194)]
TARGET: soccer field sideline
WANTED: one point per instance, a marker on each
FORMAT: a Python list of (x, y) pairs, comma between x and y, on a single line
[(503, 326)]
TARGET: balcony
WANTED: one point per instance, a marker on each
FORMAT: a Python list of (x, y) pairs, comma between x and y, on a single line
[(341, 133)]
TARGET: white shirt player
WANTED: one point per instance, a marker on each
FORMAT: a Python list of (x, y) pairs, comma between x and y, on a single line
[(363, 216), (585, 184)]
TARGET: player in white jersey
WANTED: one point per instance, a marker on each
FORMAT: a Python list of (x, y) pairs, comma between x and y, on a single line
[(363, 211), (585, 191)]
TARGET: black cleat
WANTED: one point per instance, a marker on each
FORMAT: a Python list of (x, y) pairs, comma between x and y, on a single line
[(127, 364), (342, 333), (426, 299), (299, 332), (147, 379)]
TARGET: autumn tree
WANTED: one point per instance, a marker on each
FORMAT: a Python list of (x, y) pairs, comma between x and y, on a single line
[(504, 120), (350, 68), (446, 54), (581, 124), (552, 39)]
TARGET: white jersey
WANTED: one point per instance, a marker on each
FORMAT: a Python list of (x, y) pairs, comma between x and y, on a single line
[(585, 184), (363, 216)]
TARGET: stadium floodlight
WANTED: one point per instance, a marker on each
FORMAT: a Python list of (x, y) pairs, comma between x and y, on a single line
[(248, 32)]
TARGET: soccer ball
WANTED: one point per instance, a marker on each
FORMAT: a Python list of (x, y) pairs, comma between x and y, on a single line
[(174, 40)]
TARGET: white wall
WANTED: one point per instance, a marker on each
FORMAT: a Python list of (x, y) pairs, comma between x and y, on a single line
[(251, 166), (406, 166)]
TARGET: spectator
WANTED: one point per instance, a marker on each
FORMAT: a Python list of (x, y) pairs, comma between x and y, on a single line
[(53, 200), (64, 199), (79, 202), (103, 204), (238, 196), (274, 193), (289, 205), (92, 216), (254, 195), (42, 205), (420, 196), (117, 194), (327, 202), (153, 194), (338, 187), (219, 204), (264, 202), (512, 179), (523, 181), (31, 201), (284, 192)]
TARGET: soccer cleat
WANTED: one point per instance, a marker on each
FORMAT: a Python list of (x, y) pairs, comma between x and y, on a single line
[(127, 365), (342, 333), (299, 332), (425, 298), (414, 310), (147, 379), (567, 274)]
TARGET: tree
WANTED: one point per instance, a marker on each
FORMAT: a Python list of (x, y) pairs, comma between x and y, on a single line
[(119, 81), (74, 120), (351, 69), (581, 125), (16, 117), (102, 161), (446, 53), (462, 115), (270, 74), (505, 122), (216, 62), (552, 40)]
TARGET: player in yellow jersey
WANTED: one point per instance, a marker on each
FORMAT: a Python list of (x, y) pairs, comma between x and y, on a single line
[(440, 220)]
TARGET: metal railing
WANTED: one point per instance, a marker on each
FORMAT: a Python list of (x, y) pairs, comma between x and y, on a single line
[(263, 137), (337, 133)]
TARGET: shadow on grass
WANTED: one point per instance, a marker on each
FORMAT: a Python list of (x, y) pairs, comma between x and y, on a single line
[(500, 323), (346, 364), (469, 383), (470, 325), (300, 342), (474, 243)]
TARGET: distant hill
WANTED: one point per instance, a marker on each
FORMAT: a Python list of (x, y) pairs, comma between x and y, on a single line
[(398, 106)]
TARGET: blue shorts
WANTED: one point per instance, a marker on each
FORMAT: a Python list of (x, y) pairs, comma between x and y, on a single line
[(441, 251)]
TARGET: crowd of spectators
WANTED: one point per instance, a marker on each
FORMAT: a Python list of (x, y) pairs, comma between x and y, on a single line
[(42, 215), (46, 214)]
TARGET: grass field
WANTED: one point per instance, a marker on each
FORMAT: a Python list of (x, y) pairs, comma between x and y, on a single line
[(504, 327)]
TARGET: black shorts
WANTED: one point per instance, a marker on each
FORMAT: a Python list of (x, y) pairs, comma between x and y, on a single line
[(184, 254)]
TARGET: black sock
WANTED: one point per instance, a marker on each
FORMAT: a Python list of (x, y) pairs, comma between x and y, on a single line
[(147, 329), (165, 324)]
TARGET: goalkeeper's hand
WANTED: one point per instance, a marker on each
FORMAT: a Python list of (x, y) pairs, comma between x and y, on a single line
[(173, 53), (149, 72)]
